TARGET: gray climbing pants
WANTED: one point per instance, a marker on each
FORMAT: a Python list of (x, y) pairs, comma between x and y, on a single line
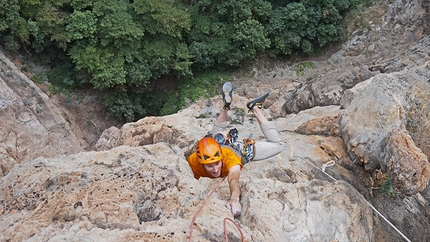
[(273, 145)]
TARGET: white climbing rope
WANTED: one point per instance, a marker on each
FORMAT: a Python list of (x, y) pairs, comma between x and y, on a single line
[(328, 164), (332, 163)]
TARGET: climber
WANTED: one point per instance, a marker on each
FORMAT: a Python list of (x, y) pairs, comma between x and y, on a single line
[(210, 159)]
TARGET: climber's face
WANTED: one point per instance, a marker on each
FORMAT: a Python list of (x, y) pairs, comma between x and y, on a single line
[(214, 168)]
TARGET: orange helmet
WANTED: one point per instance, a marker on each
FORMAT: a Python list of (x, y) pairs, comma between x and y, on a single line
[(208, 151)]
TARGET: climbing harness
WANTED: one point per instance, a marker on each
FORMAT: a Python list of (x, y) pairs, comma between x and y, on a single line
[(232, 136), (331, 163), (225, 219), (248, 149), (229, 139)]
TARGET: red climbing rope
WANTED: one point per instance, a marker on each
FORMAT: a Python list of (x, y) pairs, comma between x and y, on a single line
[(225, 219), (235, 224)]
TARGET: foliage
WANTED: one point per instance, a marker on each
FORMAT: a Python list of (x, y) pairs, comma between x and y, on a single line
[(412, 123), (65, 77), (11, 31), (39, 78), (164, 25), (189, 90), (227, 33), (387, 188), (306, 25), (287, 26), (302, 66), (103, 40), (159, 17), (130, 106), (111, 40), (121, 47)]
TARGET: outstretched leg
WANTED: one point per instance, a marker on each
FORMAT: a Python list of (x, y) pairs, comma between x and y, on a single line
[(274, 144), (220, 123), (258, 114)]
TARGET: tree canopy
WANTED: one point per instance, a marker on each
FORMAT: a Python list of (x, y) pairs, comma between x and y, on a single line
[(122, 46)]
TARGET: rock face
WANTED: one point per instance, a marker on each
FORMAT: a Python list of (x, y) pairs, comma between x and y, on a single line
[(395, 65), (352, 158), (31, 126), (373, 127), (121, 189), (149, 193)]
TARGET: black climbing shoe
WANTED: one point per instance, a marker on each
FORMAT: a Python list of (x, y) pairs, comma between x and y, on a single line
[(227, 94), (257, 102)]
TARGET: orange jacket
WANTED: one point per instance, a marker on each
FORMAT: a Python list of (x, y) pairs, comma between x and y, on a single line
[(230, 158)]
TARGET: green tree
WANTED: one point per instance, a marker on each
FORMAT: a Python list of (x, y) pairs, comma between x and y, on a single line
[(125, 45), (122, 46), (10, 22), (161, 17), (43, 24), (306, 25), (287, 27), (227, 32), (164, 47), (36, 23), (103, 40)]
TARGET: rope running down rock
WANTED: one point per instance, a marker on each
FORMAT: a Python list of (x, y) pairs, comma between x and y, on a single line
[(331, 163)]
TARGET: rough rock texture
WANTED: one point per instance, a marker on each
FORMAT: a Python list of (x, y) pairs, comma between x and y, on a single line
[(393, 57), (148, 193), (373, 127), (98, 191), (137, 186), (382, 48), (31, 126)]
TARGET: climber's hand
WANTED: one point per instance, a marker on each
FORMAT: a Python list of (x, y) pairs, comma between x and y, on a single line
[(235, 207)]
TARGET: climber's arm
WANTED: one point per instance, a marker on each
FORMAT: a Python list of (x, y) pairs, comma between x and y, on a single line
[(233, 181)]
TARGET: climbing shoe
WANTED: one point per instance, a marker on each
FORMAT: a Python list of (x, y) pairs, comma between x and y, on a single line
[(227, 94), (257, 102)]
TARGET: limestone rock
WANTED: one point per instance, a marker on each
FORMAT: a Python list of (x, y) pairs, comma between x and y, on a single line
[(382, 49), (31, 126), (373, 127), (149, 193), (137, 186)]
